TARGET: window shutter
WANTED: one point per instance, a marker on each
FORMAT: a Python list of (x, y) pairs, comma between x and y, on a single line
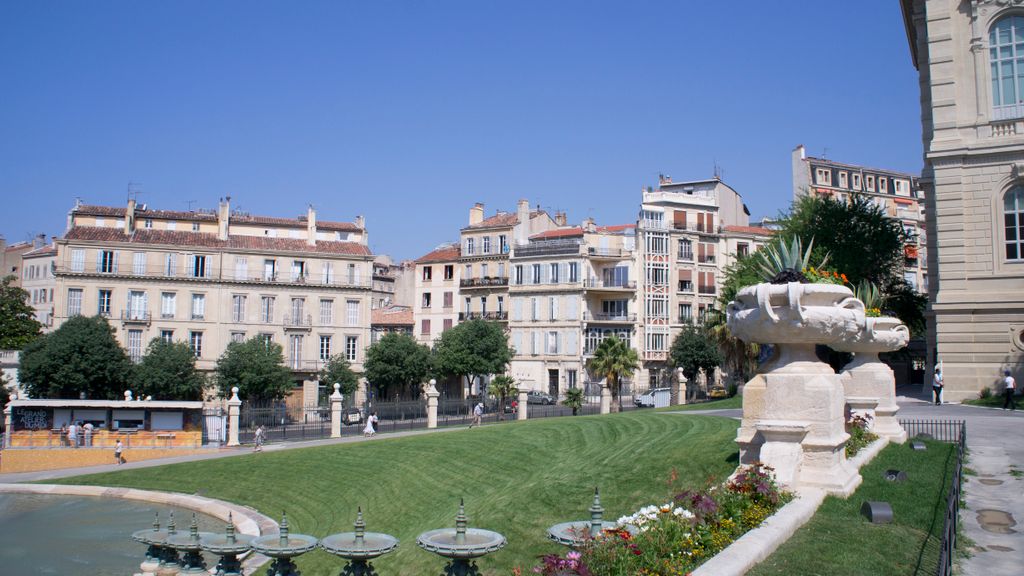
[(517, 338), (554, 308), (117, 256), (517, 309), (543, 274), (685, 274), (679, 219), (99, 260), (573, 312), (572, 343)]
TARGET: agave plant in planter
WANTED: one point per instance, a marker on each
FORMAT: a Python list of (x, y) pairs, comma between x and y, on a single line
[(785, 262)]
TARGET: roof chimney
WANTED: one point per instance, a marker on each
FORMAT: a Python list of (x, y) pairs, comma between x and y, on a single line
[(311, 226), (560, 219), (223, 218), (521, 232), (476, 214), (364, 237), (588, 225), (129, 217)]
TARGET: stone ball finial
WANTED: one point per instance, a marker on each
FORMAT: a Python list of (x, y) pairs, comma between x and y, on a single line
[(433, 382), (128, 395), (337, 387), (234, 389)]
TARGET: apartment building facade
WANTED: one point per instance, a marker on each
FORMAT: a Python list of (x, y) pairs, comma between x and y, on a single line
[(39, 280), (212, 277), (687, 234), (570, 288), (972, 119), (898, 194), (436, 292), (11, 256)]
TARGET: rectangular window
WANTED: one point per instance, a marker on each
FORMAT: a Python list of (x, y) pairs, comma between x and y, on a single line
[(742, 249), (298, 270), (855, 178), (425, 327), (350, 348), (195, 226), (501, 304), (195, 342), (269, 270), (483, 270), (238, 308), (448, 299), (503, 244), (167, 335), (534, 309), (172, 225), (469, 246), (325, 348), (198, 306), (468, 274), (483, 305), (487, 244), (553, 273), (295, 351), (574, 272), (469, 306), (139, 263), (135, 345), (428, 273), (107, 262), (170, 264), (137, 307), (823, 176), (352, 312), (74, 302), (684, 250), (535, 275), (328, 273), (501, 270), (447, 324), (869, 183), (517, 274), (883, 185), (148, 223), (685, 313), (104, 302), (298, 312), (77, 260), (198, 268), (449, 271), (267, 309), (553, 307), (426, 300), (843, 182), (353, 275), (326, 312), (241, 268), (552, 342), (168, 304)]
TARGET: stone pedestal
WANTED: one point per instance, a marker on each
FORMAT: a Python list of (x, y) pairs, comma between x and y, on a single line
[(8, 424), (606, 400), (680, 391), (781, 447), (432, 394), (862, 406), (869, 377), (234, 407), (522, 407), (336, 399)]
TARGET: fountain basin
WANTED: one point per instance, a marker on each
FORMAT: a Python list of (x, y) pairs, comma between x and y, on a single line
[(574, 534), (476, 542), (795, 313), (276, 547)]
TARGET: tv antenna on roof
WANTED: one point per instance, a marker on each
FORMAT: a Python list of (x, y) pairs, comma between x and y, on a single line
[(824, 153), (718, 171), (190, 203), (133, 190)]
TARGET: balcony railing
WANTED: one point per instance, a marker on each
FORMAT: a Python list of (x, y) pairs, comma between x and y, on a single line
[(685, 257), (211, 273), (140, 316), (482, 282), (297, 321), (707, 259), (614, 284), (707, 290), (547, 248), (299, 365), (600, 317), (463, 316), (700, 228), (607, 252)]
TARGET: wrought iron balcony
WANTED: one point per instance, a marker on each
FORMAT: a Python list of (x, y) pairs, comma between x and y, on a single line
[(594, 283), (135, 317), (484, 282), (498, 316), (298, 321), (600, 317)]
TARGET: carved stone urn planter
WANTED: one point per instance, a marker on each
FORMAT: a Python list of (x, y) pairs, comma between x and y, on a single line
[(867, 377), (794, 414)]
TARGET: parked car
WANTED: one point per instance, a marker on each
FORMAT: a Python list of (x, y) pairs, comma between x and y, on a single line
[(653, 397), (351, 415), (538, 397)]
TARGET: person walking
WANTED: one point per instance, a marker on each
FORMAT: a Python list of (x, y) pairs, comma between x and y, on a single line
[(478, 413), (118, 449), (73, 435), (937, 386), (371, 425), (1009, 389), (258, 438)]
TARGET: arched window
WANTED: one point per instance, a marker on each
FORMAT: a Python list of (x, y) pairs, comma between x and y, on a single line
[(1013, 220), (1006, 58)]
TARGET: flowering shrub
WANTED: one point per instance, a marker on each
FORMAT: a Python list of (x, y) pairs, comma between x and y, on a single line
[(860, 435), (822, 276), (674, 538)]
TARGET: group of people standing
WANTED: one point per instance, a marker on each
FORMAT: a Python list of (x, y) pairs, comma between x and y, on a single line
[(76, 434)]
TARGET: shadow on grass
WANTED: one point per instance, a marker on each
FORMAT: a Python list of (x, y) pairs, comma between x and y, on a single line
[(931, 546)]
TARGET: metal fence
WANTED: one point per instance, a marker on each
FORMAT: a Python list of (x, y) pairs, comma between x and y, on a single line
[(282, 422), (954, 431)]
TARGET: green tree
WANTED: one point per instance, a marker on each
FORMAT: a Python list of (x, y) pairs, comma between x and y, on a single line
[(18, 325), (5, 393), (82, 356), (574, 399), (694, 351), (168, 372), (864, 243), (396, 365), (257, 368), (337, 370), (472, 350), (739, 358), (614, 359), (503, 387)]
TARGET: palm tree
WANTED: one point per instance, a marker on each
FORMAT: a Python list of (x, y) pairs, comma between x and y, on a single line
[(614, 359), (740, 356), (502, 386)]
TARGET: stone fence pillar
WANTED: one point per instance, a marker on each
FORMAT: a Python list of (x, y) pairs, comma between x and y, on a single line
[(8, 424), (234, 407), (336, 399), (680, 387), (432, 395), (521, 413), (606, 399)]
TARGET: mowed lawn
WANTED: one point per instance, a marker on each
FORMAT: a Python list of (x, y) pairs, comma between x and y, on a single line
[(839, 541), (517, 478)]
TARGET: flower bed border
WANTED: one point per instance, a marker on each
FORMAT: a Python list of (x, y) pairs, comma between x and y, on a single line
[(757, 544)]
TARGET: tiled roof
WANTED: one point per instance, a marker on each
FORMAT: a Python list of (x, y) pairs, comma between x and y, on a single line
[(205, 240), (210, 217), (499, 220), (50, 250), (749, 230), (441, 254), (337, 226), (558, 233), (616, 228), (392, 315)]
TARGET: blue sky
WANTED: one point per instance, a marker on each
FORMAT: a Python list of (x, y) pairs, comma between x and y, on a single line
[(409, 112)]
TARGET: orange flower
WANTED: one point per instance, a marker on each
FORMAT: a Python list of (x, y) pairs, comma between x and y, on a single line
[(844, 278)]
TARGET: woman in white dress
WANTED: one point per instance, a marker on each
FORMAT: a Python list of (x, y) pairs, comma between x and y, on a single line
[(371, 422)]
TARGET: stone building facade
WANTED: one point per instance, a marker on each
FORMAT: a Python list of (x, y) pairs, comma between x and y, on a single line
[(969, 55)]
